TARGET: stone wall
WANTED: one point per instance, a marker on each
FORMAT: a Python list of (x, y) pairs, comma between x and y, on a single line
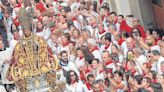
[(159, 14)]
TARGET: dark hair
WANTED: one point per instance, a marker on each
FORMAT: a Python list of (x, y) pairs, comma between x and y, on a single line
[(142, 90), (113, 13), (95, 6), (153, 73), (62, 52), (90, 76), (67, 35), (108, 37), (120, 74), (157, 87), (148, 80), (125, 34), (138, 78), (157, 31), (97, 60), (130, 15), (84, 50), (12, 31), (139, 33), (155, 52), (67, 9), (121, 16), (115, 46), (68, 78), (150, 31), (89, 58), (36, 1)]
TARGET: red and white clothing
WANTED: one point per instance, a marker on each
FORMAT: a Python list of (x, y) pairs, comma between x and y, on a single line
[(98, 34), (110, 65), (63, 47), (123, 26), (108, 47)]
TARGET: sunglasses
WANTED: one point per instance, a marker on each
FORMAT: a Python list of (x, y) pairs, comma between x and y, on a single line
[(72, 75)]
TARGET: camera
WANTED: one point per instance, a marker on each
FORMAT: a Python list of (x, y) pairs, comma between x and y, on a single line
[(115, 57)]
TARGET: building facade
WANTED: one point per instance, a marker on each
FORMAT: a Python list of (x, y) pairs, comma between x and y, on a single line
[(149, 12)]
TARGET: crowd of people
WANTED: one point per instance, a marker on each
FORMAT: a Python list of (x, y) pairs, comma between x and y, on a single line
[(96, 49)]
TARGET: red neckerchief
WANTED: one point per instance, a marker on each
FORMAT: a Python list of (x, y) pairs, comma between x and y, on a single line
[(87, 71), (40, 7), (154, 81), (101, 71), (16, 22), (156, 41), (120, 41), (109, 62), (132, 70), (88, 85), (95, 48), (115, 21), (103, 31), (108, 13), (81, 57), (101, 1), (74, 19), (18, 5), (72, 82), (82, 77), (103, 17), (65, 44), (39, 30), (106, 46), (40, 18)]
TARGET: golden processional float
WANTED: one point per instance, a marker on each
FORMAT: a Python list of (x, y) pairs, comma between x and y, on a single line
[(33, 67)]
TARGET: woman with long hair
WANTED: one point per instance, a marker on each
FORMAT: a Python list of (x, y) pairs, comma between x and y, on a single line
[(73, 83)]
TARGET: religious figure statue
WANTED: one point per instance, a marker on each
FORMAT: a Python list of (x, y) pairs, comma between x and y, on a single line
[(33, 65)]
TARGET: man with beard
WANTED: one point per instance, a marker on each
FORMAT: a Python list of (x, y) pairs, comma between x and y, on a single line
[(150, 44), (67, 65)]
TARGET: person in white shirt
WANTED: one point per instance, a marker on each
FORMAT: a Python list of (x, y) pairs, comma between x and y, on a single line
[(46, 30), (158, 58), (74, 84), (67, 65), (5, 56), (16, 37), (140, 58), (92, 45)]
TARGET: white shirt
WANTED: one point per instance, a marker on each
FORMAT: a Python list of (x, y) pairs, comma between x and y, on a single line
[(2, 89), (79, 62), (5, 56), (159, 65), (97, 54), (45, 33), (79, 87), (12, 44), (70, 66), (141, 60)]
